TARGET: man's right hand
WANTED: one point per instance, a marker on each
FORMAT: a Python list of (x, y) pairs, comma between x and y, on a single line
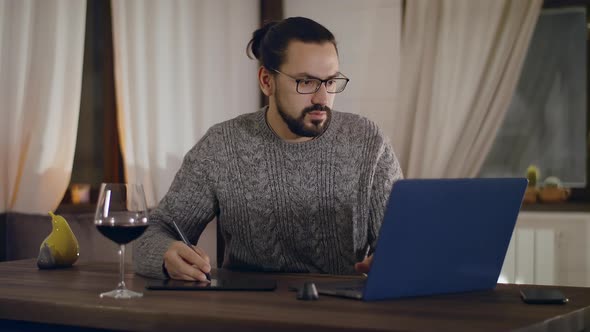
[(185, 263)]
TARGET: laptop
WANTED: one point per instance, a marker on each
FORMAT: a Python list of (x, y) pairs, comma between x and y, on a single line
[(439, 236)]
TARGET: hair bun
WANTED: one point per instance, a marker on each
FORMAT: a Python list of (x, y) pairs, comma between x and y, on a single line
[(253, 47)]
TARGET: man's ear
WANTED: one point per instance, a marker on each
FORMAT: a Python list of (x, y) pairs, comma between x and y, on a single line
[(265, 80)]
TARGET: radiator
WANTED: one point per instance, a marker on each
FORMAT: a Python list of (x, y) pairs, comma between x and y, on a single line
[(531, 257)]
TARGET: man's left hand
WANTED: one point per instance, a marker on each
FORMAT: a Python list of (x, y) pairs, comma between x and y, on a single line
[(364, 266)]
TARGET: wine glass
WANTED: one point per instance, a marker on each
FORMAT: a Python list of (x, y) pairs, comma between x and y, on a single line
[(121, 215)]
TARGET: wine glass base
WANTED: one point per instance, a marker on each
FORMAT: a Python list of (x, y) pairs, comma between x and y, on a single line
[(121, 294)]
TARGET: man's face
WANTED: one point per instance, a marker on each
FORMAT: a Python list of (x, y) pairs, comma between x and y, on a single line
[(306, 115)]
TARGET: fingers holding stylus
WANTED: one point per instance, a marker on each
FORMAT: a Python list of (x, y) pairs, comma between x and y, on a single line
[(185, 263), (203, 255), (197, 259)]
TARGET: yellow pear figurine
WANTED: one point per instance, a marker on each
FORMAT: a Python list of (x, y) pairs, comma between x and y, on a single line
[(60, 248)]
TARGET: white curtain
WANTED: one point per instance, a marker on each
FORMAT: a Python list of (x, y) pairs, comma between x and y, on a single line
[(461, 60), (41, 58), (180, 67), (369, 35)]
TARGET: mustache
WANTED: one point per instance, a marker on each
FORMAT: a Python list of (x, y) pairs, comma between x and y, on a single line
[(316, 107)]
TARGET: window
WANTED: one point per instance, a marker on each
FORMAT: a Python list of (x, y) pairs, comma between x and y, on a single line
[(97, 157), (546, 123)]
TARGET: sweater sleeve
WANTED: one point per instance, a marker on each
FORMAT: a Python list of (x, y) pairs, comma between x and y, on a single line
[(191, 202), (387, 171)]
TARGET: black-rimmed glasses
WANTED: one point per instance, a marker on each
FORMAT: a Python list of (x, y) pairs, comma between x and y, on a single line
[(312, 85)]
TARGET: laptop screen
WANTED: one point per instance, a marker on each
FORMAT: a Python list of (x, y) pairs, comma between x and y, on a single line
[(444, 236)]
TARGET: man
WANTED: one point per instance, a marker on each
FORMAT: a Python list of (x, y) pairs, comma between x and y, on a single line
[(295, 187)]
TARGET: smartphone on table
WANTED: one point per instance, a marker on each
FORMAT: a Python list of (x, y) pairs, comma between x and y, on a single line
[(543, 296)]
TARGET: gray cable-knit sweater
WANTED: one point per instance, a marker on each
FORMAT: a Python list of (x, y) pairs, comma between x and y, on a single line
[(315, 206)]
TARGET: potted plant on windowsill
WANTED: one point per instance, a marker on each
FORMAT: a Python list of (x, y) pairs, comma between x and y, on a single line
[(553, 191), (530, 195)]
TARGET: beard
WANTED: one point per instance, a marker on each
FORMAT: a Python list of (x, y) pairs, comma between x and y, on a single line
[(297, 124)]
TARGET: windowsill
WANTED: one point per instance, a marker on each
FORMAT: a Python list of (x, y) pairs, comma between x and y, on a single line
[(567, 206), (81, 208)]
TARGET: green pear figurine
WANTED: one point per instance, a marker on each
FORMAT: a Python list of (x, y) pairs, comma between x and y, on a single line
[(60, 248)]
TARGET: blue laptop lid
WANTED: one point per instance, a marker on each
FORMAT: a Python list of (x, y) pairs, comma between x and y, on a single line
[(444, 236)]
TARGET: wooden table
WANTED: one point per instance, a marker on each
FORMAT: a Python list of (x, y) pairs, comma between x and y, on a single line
[(32, 298)]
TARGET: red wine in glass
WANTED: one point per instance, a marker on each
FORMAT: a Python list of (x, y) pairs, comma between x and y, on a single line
[(121, 234)]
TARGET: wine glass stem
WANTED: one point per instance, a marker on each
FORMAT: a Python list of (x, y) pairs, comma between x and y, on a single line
[(122, 267)]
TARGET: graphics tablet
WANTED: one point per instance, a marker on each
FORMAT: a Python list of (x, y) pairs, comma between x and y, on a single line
[(217, 284)]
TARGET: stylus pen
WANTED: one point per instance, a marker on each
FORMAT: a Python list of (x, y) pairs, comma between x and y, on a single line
[(185, 240)]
